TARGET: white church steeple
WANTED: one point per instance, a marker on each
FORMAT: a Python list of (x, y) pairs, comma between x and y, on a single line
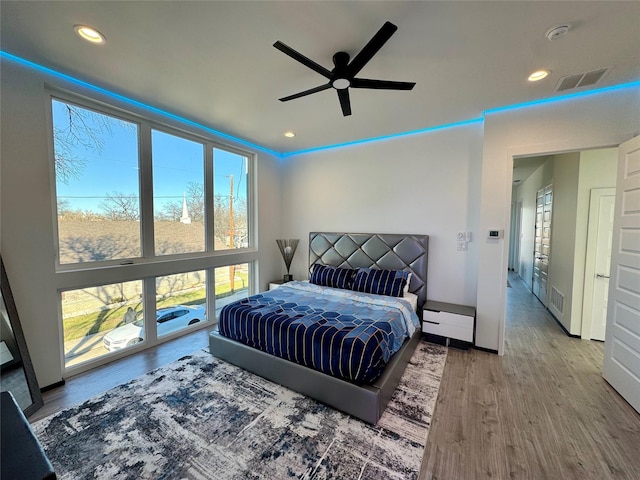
[(186, 219)]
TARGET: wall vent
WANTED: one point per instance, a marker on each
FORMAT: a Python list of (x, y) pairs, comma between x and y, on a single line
[(556, 300), (569, 82)]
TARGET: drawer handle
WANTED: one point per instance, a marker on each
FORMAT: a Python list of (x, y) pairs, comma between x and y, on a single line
[(429, 321)]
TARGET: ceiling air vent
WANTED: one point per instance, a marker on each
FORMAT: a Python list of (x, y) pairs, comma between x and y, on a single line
[(570, 82)]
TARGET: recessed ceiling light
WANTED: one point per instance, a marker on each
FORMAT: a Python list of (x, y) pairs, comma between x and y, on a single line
[(289, 134), (89, 34), (539, 75)]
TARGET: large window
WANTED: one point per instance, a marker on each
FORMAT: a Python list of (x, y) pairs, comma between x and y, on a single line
[(180, 301), (137, 202), (96, 175), (230, 172), (178, 194), (231, 284), (102, 319)]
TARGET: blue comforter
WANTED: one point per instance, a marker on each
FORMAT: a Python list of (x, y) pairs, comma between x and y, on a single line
[(345, 334)]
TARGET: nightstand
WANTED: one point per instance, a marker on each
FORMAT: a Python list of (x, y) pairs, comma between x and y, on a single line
[(449, 323), (275, 284)]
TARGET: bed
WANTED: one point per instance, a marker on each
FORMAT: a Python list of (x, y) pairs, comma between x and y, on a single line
[(363, 391)]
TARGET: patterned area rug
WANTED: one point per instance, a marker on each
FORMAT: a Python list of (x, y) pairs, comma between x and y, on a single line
[(202, 418)]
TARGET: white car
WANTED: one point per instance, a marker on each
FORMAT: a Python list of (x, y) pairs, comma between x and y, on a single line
[(169, 320)]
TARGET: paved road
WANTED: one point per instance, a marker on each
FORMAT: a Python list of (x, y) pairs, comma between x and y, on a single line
[(83, 349)]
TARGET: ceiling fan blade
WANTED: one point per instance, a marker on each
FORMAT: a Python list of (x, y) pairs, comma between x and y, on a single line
[(370, 49), (381, 84), (302, 59), (306, 92), (345, 103)]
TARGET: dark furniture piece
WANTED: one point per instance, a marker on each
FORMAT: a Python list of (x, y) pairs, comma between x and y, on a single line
[(22, 455), (348, 250)]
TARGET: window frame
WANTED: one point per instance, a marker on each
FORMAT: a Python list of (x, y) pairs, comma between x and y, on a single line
[(148, 266), (145, 189)]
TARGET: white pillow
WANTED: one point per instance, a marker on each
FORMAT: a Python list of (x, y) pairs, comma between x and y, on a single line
[(406, 287), (412, 298)]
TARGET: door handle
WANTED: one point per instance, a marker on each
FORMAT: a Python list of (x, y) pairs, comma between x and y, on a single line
[(599, 275)]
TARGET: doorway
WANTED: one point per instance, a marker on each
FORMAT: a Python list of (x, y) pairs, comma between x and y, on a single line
[(555, 193)]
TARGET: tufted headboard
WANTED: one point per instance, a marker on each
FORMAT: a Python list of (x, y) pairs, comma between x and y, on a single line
[(388, 251)]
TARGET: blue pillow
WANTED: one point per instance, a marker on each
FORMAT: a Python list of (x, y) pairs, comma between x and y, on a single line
[(380, 282), (328, 276)]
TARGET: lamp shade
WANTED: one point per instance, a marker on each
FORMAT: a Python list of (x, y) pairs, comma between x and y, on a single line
[(287, 248)]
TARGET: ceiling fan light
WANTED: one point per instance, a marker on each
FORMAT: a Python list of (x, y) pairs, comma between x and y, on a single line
[(539, 75), (340, 83), (89, 34)]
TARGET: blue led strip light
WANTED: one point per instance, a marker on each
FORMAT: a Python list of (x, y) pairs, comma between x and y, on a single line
[(385, 137), (564, 97), (136, 103), (469, 122)]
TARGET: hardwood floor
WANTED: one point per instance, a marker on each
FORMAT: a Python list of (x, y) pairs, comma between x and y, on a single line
[(543, 411), (87, 385)]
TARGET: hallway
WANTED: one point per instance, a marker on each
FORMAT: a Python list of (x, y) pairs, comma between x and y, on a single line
[(543, 411)]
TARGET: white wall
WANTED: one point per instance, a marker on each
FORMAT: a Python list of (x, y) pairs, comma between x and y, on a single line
[(563, 232), (584, 122), (423, 184), (27, 217)]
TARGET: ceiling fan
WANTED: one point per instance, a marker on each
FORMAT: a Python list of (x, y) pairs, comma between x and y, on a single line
[(343, 75)]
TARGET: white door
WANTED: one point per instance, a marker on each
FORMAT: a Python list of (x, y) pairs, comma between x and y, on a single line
[(602, 217), (622, 345)]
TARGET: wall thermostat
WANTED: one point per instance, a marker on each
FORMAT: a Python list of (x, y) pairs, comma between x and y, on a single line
[(496, 233)]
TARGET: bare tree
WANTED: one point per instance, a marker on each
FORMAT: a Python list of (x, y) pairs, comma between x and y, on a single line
[(194, 194), (64, 206), (83, 129), (224, 225), (171, 211), (118, 206), (195, 201)]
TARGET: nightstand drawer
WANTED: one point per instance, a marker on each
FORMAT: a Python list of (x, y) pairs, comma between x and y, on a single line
[(447, 318)]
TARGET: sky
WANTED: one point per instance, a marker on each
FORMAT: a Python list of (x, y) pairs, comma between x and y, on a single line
[(113, 168)]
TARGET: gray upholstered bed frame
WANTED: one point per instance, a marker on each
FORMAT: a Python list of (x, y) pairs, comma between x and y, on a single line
[(366, 402)]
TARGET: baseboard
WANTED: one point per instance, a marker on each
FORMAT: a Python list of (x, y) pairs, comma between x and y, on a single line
[(488, 350), (561, 325), (52, 386)]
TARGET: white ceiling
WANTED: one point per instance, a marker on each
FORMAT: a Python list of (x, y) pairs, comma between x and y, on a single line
[(213, 62)]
